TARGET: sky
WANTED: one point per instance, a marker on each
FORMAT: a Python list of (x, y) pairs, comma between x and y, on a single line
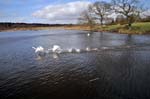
[(45, 11)]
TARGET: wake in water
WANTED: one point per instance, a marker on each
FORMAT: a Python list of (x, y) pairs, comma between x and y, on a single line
[(56, 50)]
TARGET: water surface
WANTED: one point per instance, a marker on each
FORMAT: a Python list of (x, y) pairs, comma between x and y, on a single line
[(119, 72)]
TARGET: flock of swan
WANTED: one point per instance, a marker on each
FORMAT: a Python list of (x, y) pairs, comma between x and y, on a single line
[(56, 49)]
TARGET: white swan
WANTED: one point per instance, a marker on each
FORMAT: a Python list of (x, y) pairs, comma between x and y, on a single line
[(88, 34), (70, 50), (56, 49), (78, 50), (88, 49), (38, 49)]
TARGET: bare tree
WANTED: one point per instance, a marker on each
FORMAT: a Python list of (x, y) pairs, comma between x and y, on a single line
[(87, 18), (101, 10), (129, 8)]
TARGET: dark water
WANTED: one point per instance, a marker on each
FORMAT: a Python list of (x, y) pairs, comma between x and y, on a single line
[(122, 72)]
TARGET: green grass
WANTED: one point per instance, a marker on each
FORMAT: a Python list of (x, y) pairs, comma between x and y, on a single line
[(137, 28), (142, 27), (113, 27)]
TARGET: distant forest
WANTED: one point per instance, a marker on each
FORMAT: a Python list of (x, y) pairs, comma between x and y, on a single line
[(9, 25)]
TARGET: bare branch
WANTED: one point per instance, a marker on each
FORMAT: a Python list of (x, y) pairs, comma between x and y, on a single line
[(128, 8)]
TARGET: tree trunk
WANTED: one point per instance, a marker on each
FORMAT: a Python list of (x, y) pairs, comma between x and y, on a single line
[(129, 22), (101, 21)]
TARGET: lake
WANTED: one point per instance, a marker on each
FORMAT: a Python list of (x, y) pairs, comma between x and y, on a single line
[(119, 69)]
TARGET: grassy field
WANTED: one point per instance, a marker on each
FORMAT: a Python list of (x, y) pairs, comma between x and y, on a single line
[(137, 28)]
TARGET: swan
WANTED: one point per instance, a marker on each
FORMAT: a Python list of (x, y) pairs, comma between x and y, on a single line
[(88, 49), (39, 50), (88, 34), (56, 49), (78, 50), (70, 50)]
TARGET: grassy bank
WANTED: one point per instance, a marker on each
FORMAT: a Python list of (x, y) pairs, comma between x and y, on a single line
[(137, 28)]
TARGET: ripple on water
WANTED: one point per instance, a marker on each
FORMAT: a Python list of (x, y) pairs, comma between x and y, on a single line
[(107, 66)]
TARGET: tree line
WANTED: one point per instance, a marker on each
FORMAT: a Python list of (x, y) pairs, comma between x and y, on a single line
[(9, 25), (117, 11)]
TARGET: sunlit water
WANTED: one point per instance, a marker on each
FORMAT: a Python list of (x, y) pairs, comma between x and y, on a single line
[(120, 69)]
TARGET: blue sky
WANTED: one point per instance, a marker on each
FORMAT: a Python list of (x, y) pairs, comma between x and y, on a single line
[(42, 11)]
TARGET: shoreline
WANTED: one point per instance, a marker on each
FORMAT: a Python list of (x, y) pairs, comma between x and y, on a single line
[(110, 28), (85, 28)]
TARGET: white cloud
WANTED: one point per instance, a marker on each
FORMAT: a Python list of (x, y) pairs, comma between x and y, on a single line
[(62, 13), (145, 13)]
